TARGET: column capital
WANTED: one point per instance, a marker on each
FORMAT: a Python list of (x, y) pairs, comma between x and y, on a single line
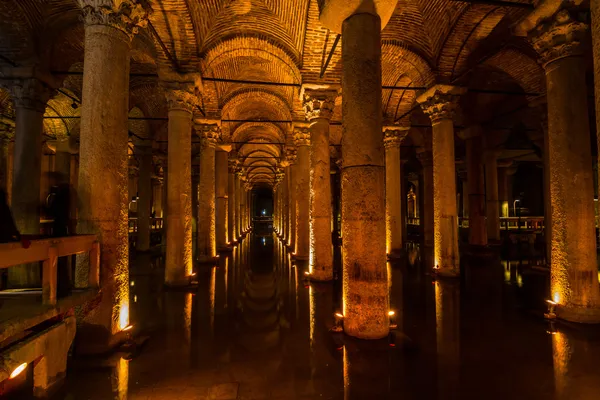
[(7, 128), (232, 165), (125, 15), (439, 102), (318, 101), (181, 90), (394, 135), (209, 134), (425, 158), (302, 137), (30, 93), (291, 154), (556, 30)]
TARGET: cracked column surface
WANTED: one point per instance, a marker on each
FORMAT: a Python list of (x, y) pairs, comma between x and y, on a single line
[(439, 103), (207, 246), (103, 163), (393, 137), (365, 281), (476, 186), (30, 97), (231, 217), (291, 181), (302, 141), (144, 206), (318, 109), (181, 98), (559, 36), (492, 207)]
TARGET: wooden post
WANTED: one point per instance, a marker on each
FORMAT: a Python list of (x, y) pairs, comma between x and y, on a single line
[(49, 276), (94, 272)]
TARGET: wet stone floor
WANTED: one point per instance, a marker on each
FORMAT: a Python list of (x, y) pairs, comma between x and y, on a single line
[(255, 330)]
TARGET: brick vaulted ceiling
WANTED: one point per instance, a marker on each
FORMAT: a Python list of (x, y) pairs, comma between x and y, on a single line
[(426, 41)]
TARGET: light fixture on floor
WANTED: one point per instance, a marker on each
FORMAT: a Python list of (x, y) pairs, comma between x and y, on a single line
[(551, 314), (17, 371), (392, 316), (128, 328), (339, 322)]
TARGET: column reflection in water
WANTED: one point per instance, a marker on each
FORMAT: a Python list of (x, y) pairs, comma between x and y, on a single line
[(204, 320), (576, 374), (120, 379), (447, 317), (179, 327), (366, 369)]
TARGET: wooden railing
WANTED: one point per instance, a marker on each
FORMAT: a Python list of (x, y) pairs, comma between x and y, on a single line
[(524, 223), (48, 251), (156, 224)]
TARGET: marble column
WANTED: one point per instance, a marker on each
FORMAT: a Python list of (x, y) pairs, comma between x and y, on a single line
[(365, 280), (181, 94), (157, 197), (222, 196), (439, 103), (103, 162), (238, 201), (206, 245), (243, 199), (559, 39), (393, 137), (476, 186), (318, 109), (492, 207), (503, 175), (291, 158), (144, 206), (231, 217), (302, 141), (30, 97), (426, 213)]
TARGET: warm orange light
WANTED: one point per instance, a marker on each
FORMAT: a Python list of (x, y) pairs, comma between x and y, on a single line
[(193, 274), (339, 315), (17, 371), (306, 273), (128, 328), (552, 303), (124, 315), (391, 313), (556, 298)]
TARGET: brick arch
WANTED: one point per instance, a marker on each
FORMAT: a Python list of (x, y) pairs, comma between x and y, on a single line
[(139, 128), (473, 25), (247, 131), (520, 67), (61, 106), (172, 20)]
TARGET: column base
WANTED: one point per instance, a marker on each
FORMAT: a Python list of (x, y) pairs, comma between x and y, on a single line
[(320, 276), (445, 273), (396, 254), (204, 259), (299, 257), (225, 249), (579, 314)]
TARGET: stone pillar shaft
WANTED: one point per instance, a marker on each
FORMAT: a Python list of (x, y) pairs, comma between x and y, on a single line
[(206, 249), (292, 207), (302, 138), (365, 280), (221, 179), (393, 191), (231, 223), (477, 226), (144, 209), (491, 197), (238, 202)]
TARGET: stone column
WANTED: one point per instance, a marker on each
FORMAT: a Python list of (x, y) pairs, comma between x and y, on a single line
[(365, 280), (559, 37), (144, 206), (492, 209), (464, 196), (503, 188), (207, 250), (231, 217), (243, 199), (181, 94), (302, 141), (157, 197), (318, 109), (222, 195), (238, 201), (439, 103), (426, 213), (476, 186), (291, 181), (103, 160), (7, 147), (393, 137)]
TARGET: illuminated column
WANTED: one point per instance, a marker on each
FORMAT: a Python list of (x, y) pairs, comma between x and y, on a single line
[(157, 196), (207, 245), (503, 177), (393, 137), (491, 196), (221, 179), (476, 186), (302, 141), (103, 160), (365, 280), (284, 205), (7, 147), (238, 201), (559, 39), (144, 206), (291, 181), (30, 97), (181, 99), (439, 103), (318, 109), (426, 214), (279, 192), (231, 218), (243, 199)]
